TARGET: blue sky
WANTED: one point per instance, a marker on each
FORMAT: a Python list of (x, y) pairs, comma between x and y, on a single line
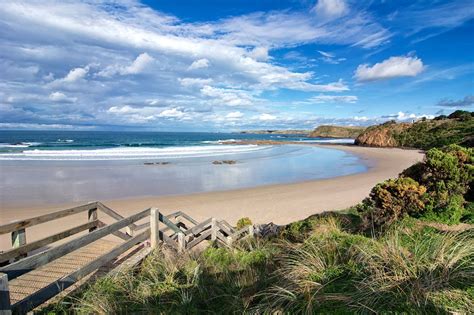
[(232, 65)]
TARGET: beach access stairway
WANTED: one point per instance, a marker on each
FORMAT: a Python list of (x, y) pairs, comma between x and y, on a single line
[(31, 274)]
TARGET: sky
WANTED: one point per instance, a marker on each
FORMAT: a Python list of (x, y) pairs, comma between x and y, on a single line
[(215, 65)]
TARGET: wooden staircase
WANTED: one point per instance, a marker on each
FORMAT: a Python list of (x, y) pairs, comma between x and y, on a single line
[(33, 273)]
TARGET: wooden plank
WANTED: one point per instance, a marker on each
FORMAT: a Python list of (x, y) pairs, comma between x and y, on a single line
[(187, 217), (224, 228), (181, 242), (5, 307), (198, 229), (92, 216), (170, 224), (45, 241), (237, 234), (213, 229), (221, 237), (199, 239), (18, 238), (117, 233), (23, 266), (154, 228), (113, 214), (21, 224), (54, 288), (131, 262), (230, 227), (168, 241)]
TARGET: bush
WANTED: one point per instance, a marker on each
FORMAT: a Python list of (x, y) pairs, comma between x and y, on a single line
[(391, 201), (243, 222)]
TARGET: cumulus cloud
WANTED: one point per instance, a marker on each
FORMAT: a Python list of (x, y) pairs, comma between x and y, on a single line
[(393, 67), (199, 64), (234, 115), (402, 116), (229, 97), (138, 65), (76, 74), (61, 97), (465, 102), (330, 8), (171, 113), (194, 81), (266, 117)]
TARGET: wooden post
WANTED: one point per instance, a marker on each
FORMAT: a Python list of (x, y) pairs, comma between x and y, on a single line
[(92, 215), (181, 242), (5, 307), (213, 229), (18, 238), (229, 240), (251, 231), (154, 227)]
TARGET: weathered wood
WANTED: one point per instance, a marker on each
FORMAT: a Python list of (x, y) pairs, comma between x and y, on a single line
[(113, 214), (251, 231), (92, 216), (230, 240), (117, 233), (187, 217), (45, 241), (23, 266), (56, 287), (226, 224), (131, 262), (223, 228), (199, 228), (5, 307), (181, 242), (166, 239), (21, 224), (18, 238), (154, 228), (237, 234), (199, 239), (170, 224), (221, 237), (213, 229)]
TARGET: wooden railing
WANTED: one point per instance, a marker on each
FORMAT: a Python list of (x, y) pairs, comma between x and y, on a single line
[(179, 231)]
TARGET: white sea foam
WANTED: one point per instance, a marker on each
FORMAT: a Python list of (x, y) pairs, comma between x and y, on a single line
[(65, 140), (123, 153), (19, 145), (221, 141)]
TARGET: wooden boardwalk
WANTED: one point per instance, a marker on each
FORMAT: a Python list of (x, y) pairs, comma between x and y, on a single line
[(36, 272)]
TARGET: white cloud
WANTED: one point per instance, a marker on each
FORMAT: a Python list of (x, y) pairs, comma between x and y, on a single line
[(194, 81), (234, 115), (229, 97), (266, 117), (330, 8), (392, 67), (171, 113), (61, 97), (199, 64), (259, 54), (76, 74), (326, 54), (137, 66), (402, 116), (333, 99)]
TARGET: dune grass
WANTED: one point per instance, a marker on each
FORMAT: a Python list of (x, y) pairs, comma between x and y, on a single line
[(411, 269)]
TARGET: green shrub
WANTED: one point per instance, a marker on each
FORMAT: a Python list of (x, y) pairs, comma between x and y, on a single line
[(392, 200), (243, 222)]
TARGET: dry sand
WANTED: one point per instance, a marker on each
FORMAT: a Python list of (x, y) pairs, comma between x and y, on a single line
[(280, 204)]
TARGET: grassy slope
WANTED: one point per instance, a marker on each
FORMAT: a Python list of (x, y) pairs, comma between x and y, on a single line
[(336, 132)]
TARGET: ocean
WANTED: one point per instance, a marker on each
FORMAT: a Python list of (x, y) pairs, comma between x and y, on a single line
[(102, 145)]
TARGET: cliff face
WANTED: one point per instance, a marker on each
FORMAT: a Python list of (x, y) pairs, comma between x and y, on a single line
[(336, 132), (383, 135)]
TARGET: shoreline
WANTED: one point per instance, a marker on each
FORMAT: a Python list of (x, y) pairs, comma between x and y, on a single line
[(280, 203)]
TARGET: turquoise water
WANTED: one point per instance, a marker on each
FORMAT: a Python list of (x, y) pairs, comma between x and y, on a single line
[(60, 167)]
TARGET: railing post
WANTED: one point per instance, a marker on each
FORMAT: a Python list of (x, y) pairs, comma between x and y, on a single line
[(251, 231), (18, 238), (229, 240), (92, 215), (5, 306), (181, 242), (154, 227), (213, 229)]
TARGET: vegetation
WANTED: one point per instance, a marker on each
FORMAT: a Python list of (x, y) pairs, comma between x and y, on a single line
[(385, 255), (326, 131), (437, 189), (457, 128)]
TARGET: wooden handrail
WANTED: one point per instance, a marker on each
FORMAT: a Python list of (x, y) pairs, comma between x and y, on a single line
[(23, 266), (21, 224)]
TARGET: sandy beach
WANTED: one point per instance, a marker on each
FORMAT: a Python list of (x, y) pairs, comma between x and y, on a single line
[(280, 204)]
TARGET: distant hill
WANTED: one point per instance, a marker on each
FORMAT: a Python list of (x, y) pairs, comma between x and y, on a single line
[(278, 132), (327, 131), (457, 128)]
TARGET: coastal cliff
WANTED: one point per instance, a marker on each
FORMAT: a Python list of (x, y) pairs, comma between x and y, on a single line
[(328, 131), (457, 128)]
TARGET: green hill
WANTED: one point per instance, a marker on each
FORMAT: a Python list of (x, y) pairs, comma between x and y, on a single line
[(327, 131)]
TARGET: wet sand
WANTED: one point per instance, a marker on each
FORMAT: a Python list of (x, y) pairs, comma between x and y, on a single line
[(280, 204)]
